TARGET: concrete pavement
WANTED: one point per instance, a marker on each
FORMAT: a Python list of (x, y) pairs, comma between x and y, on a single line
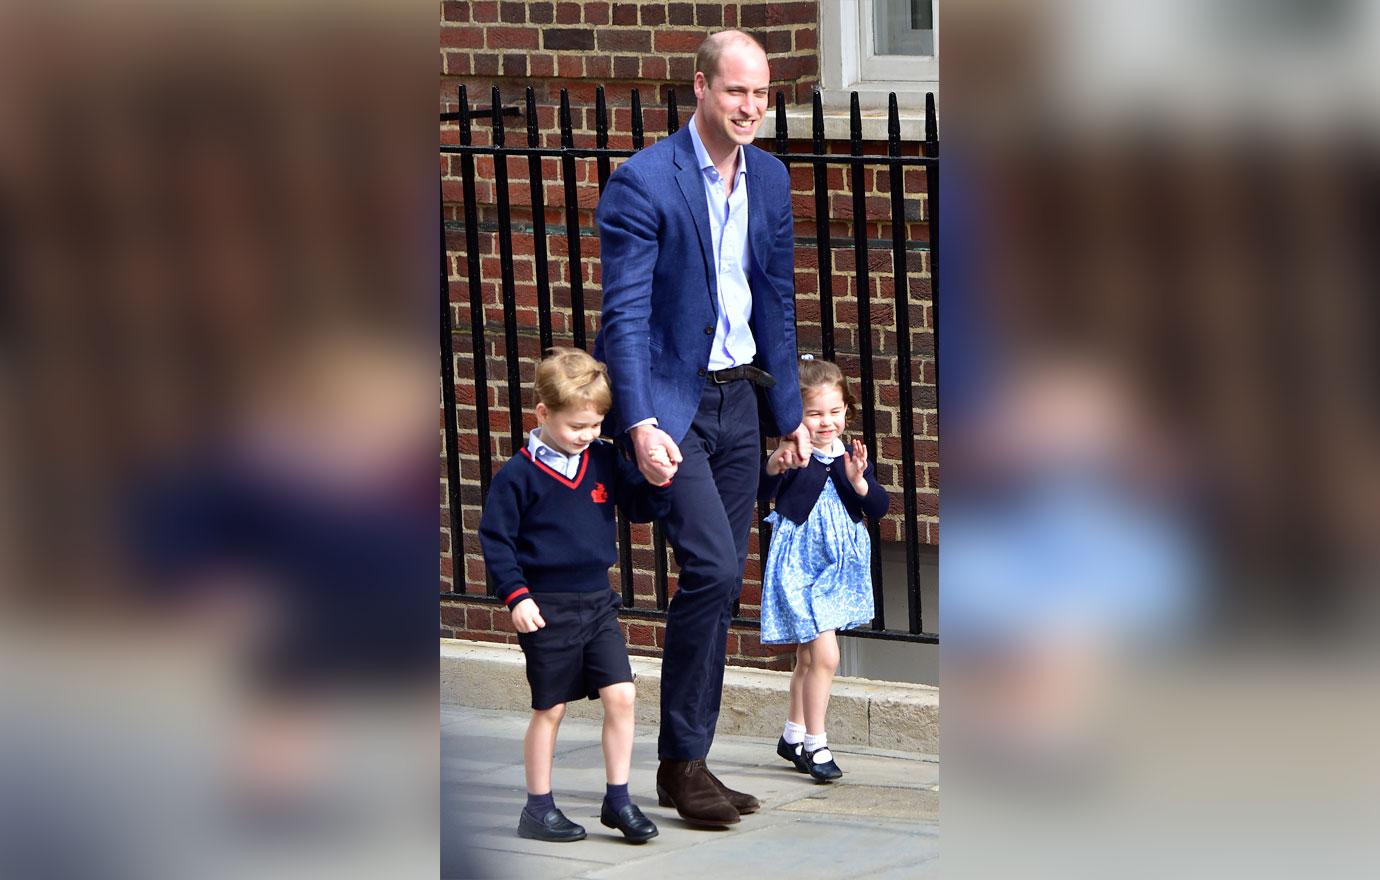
[(880, 820)]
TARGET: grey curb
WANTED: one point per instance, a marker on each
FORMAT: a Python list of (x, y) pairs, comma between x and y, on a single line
[(888, 715)]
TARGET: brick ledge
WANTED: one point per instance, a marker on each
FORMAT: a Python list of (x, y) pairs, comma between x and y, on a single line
[(895, 716)]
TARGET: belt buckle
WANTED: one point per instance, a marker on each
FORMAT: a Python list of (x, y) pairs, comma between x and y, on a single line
[(717, 376)]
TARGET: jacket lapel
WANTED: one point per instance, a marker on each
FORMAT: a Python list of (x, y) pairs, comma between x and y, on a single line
[(758, 231), (691, 182), (759, 225)]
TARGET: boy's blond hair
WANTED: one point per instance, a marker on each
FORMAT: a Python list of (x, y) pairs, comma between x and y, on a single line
[(569, 377)]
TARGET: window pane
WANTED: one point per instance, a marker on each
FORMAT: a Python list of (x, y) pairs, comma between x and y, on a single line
[(903, 27)]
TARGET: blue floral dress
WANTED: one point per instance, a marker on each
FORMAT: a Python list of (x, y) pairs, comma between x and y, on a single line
[(818, 574)]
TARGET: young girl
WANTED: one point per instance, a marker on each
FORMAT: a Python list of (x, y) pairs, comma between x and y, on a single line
[(818, 576)]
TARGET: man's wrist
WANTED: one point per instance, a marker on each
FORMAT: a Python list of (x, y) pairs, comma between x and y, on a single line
[(644, 423)]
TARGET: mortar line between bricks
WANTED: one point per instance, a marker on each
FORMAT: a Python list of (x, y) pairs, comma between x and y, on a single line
[(808, 242), (461, 333)]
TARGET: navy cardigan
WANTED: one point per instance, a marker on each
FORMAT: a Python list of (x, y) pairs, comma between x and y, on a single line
[(797, 490)]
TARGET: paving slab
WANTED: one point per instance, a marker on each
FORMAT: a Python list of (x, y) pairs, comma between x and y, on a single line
[(880, 820)]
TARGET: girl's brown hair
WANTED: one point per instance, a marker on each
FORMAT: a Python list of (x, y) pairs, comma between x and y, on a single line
[(816, 373)]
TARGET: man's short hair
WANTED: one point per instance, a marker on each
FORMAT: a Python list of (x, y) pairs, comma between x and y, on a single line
[(569, 378), (708, 54)]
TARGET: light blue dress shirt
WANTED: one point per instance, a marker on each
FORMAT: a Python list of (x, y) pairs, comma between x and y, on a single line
[(565, 465), (728, 227)]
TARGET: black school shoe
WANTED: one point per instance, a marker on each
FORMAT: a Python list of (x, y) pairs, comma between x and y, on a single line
[(793, 753), (636, 827), (826, 771), (554, 827)]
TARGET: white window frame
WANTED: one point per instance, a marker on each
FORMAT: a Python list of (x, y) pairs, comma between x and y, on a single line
[(848, 62), (894, 68)]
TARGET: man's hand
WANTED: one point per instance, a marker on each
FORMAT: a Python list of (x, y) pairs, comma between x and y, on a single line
[(788, 455), (800, 439), (784, 457), (527, 616), (658, 456)]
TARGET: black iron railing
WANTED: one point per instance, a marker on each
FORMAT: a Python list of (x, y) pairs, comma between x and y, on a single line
[(819, 160)]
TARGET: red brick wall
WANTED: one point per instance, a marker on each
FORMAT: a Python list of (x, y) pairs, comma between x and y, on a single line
[(547, 44), (634, 22)]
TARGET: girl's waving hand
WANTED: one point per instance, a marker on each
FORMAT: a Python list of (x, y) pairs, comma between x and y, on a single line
[(855, 466)]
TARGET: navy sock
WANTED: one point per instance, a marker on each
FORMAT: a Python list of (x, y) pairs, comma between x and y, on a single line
[(616, 796), (540, 804)]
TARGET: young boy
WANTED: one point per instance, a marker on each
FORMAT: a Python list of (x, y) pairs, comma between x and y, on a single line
[(548, 539)]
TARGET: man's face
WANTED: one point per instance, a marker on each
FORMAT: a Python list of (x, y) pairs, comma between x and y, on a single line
[(731, 106)]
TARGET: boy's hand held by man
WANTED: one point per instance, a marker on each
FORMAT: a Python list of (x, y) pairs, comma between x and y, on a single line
[(657, 454)]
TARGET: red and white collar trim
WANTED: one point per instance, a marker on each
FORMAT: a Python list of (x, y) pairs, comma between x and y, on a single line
[(557, 475)]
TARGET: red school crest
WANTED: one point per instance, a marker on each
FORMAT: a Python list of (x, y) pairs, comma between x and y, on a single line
[(599, 493)]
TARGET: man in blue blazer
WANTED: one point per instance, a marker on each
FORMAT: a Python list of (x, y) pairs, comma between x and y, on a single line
[(697, 249)]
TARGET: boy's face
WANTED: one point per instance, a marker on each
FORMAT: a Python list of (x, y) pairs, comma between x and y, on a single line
[(569, 430)]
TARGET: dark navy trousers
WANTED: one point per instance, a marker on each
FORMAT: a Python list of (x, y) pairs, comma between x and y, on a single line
[(713, 496)]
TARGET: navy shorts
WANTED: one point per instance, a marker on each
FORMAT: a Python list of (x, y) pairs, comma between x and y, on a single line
[(580, 650)]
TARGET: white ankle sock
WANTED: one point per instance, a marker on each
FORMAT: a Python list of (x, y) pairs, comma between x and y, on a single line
[(820, 746), (793, 733)]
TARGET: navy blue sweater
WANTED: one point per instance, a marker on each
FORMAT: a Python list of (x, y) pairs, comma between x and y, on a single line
[(797, 490), (541, 532)]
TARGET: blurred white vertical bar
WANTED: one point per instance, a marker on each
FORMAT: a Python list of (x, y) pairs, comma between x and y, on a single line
[(219, 406), (1160, 512)]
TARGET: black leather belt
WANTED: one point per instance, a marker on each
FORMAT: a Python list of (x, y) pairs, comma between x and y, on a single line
[(743, 371)]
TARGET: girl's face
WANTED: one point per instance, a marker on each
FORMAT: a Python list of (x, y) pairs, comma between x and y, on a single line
[(824, 415)]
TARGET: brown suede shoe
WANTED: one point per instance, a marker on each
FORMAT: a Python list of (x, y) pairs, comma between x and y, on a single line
[(743, 802), (687, 786)]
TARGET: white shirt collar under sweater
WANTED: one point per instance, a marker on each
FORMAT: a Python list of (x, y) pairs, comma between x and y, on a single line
[(565, 465), (826, 456)]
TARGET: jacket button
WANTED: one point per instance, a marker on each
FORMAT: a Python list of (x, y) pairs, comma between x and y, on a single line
[(708, 331), (703, 373)]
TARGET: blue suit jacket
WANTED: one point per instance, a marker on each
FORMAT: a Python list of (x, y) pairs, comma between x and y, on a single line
[(660, 303)]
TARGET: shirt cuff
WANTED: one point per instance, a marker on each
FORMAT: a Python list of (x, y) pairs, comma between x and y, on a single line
[(517, 596), (652, 421)]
